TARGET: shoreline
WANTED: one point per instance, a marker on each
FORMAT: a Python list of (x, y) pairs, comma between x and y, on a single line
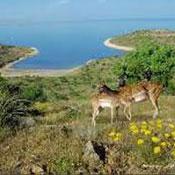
[(37, 72), (9, 71), (108, 43)]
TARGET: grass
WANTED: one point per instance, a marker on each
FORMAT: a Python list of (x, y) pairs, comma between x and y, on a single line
[(58, 141)]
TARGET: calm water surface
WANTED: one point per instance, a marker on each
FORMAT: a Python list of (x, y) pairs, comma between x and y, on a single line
[(66, 45)]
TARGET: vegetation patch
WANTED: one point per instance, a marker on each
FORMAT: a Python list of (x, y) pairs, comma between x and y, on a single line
[(12, 53), (151, 61), (137, 38)]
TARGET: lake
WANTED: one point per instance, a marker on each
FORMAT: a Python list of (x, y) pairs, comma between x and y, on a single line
[(64, 45)]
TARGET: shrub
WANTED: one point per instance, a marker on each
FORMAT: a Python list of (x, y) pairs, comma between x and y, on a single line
[(11, 109), (171, 87), (33, 92), (12, 106), (150, 61)]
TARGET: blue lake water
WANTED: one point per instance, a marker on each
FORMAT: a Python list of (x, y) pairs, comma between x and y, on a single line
[(65, 45)]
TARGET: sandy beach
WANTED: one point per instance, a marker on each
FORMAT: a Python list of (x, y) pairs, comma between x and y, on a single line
[(36, 72), (108, 43), (9, 71)]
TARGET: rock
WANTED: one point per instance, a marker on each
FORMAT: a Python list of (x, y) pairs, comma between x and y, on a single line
[(81, 171), (89, 152), (94, 153), (27, 122), (100, 150), (35, 169)]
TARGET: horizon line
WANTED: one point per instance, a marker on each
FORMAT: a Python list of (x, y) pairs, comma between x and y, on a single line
[(24, 21)]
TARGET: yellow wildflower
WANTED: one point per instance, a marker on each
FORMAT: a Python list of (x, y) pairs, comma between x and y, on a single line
[(144, 125), (157, 150), (168, 144), (173, 133), (159, 121), (163, 144), (167, 135), (147, 132), (155, 139), (136, 131), (173, 153), (140, 141), (159, 125), (171, 126), (117, 137), (142, 130), (118, 134), (134, 128), (111, 134)]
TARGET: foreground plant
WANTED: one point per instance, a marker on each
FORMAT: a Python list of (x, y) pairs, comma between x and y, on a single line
[(153, 141), (11, 109)]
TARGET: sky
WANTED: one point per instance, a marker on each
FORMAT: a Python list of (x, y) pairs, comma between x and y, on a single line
[(70, 10)]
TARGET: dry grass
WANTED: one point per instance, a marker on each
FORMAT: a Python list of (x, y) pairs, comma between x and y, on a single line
[(58, 144)]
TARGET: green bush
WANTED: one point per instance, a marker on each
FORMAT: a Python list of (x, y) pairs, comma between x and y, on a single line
[(33, 92), (12, 105), (11, 109), (149, 58), (171, 87)]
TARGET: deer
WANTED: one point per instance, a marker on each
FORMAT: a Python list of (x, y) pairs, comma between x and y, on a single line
[(140, 92), (108, 99)]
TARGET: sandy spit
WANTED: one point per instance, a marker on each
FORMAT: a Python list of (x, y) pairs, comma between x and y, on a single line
[(108, 43)]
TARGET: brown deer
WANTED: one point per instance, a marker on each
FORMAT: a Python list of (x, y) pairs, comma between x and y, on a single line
[(104, 100), (130, 94)]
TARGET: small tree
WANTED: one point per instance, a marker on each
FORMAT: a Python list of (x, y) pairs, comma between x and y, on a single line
[(150, 61)]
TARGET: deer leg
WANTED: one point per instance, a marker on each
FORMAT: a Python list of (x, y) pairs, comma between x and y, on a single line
[(94, 115), (125, 113), (157, 109), (155, 104), (129, 111)]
